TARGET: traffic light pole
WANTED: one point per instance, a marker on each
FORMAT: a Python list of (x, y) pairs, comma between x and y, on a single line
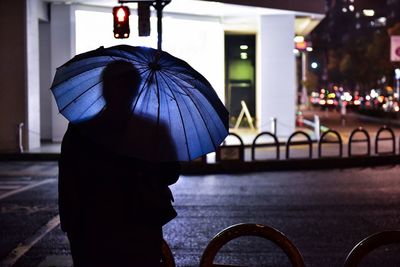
[(158, 6)]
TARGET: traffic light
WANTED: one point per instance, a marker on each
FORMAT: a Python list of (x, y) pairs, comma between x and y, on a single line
[(144, 18), (121, 22)]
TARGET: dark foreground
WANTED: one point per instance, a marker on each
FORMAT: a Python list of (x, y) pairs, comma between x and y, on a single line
[(324, 213)]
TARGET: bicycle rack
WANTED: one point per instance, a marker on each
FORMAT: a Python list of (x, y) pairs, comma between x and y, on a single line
[(366, 140), (338, 141), (369, 244), (392, 138), (309, 142), (219, 155), (258, 230), (254, 144)]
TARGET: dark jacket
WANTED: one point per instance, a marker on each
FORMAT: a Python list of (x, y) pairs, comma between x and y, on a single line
[(101, 188)]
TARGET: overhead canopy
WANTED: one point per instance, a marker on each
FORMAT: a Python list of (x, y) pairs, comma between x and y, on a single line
[(309, 6)]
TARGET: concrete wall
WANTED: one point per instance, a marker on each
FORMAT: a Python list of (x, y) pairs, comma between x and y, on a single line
[(12, 72), (19, 74)]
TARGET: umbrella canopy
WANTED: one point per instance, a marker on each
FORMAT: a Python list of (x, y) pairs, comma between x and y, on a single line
[(171, 94)]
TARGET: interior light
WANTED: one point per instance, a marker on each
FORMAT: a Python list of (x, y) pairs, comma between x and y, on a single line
[(296, 51), (244, 47), (344, 10), (309, 49), (368, 12), (351, 8), (314, 65), (243, 55)]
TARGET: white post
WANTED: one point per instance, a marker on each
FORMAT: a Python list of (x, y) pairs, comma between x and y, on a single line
[(317, 127), (273, 125), (276, 79), (20, 133), (32, 122)]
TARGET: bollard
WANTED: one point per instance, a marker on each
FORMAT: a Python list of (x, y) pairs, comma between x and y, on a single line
[(273, 125), (317, 127), (20, 146)]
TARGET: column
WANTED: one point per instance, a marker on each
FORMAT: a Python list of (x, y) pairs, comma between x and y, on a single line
[(276, 78), (62, 38), (32, 127), (19, 75)]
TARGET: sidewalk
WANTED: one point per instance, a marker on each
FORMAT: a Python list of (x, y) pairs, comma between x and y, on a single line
[(295, 156)]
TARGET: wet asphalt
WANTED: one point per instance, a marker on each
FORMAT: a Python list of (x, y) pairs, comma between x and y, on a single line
[(324, 213)]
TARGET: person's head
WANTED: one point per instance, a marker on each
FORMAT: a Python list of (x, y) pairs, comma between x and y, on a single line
[(120, 84)]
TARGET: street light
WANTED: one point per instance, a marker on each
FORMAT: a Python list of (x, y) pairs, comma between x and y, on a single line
[(314, 65)]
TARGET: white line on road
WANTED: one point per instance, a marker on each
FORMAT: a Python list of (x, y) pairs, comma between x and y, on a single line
[(9, 187), (19, 190), (25, 246)]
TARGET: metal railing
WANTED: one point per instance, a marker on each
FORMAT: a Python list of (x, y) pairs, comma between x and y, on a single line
[(248, 229), (301, 138), (369, 244), (353, 259), (352, 140), (323, 141)]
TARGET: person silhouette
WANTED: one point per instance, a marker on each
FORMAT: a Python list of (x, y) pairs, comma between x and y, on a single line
[(113, 205)]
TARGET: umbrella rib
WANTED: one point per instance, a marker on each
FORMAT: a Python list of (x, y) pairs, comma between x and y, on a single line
[(102, 66), (123, 52), (158, 100), (209, 94), (81, 94), (158, 115), (94, 102), (180, 115), (74, 77), (201, 115), (141, 91), (78, 96)]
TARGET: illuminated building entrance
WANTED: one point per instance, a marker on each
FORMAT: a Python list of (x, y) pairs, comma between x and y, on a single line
[(240, 58)]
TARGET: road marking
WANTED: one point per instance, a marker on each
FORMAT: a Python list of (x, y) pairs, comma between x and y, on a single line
[(27, 187), (9, 187), (26, 245)]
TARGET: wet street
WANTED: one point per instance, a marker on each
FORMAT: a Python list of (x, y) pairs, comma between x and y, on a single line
[(324, 213)]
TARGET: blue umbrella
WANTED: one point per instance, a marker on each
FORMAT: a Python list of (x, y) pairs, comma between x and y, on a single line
[(171, 94)]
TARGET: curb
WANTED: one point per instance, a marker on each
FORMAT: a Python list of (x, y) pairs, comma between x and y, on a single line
[(230, 167)]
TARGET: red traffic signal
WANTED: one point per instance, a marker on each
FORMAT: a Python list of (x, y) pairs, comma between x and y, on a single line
[(121, 22)]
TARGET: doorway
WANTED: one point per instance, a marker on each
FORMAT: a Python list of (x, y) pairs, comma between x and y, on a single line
[(240, 79)]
